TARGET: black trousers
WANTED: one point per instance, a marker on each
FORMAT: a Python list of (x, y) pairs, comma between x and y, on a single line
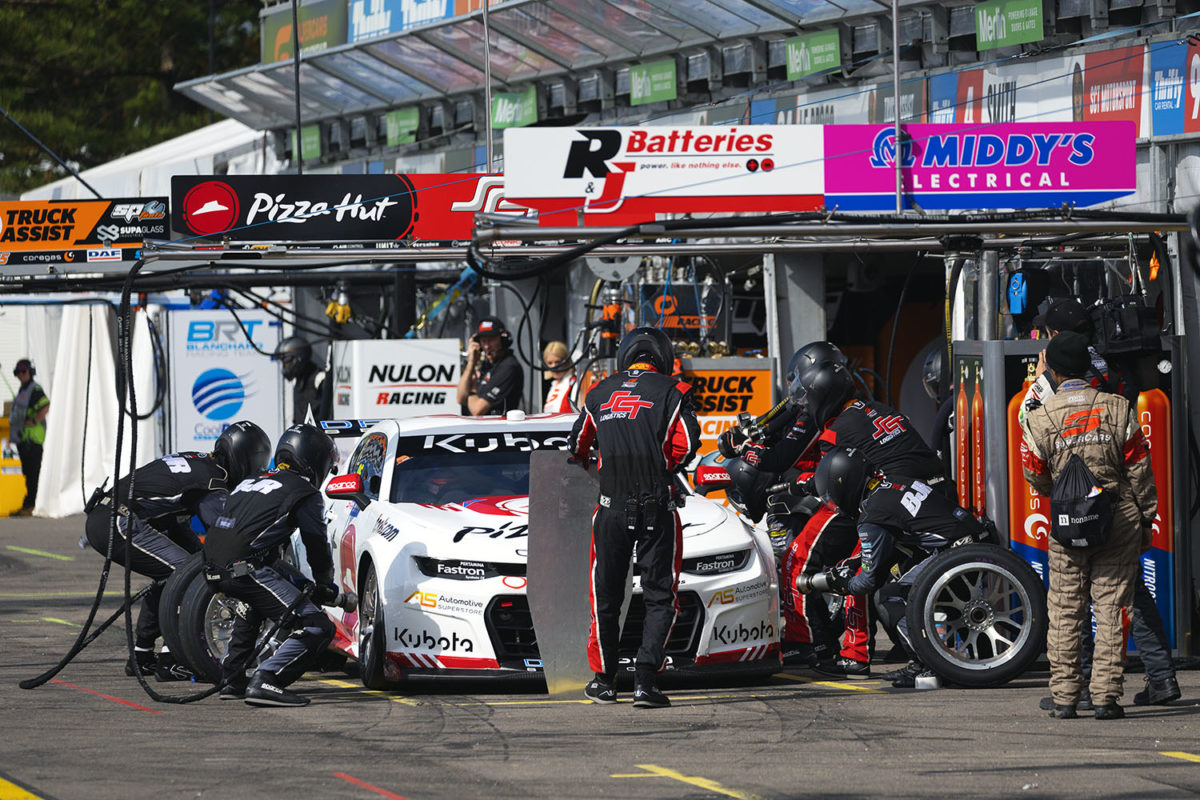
[(31, 467), (1148, 632), (659, 545)]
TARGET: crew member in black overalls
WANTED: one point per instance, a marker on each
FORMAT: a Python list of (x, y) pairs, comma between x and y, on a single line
[(242, 555), (642, 423), (492, 378), (167, 493), (312, 391)]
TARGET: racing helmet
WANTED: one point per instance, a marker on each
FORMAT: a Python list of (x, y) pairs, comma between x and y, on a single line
[(823, 389), (812, 353), (294, 352), (646, 344), (749, 491), (243, 449), (931, 374), (841, 479), (307, 450)]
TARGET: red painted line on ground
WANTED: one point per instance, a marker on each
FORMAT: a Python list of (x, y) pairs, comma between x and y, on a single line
[(365, 785), (105, 696)]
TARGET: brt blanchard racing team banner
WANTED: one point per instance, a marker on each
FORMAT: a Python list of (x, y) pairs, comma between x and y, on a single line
[(79, 231)]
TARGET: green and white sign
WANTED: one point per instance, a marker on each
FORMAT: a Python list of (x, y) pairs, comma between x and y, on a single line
[(514, 109), (402, 125), (322, 25), (813, 53), (1003, 23), (652, 83), (310, 142)]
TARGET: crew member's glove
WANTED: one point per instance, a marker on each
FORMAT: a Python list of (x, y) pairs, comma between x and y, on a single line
[(729, 443), (325, 594), (752, 454)]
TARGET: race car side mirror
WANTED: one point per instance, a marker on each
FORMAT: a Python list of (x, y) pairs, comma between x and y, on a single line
[(348, 487), (710, 478)]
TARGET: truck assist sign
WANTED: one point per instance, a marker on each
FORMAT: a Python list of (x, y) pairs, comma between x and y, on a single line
[(79, 231)]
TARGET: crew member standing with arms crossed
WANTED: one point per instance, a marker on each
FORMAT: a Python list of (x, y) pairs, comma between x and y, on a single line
[(643, 424)]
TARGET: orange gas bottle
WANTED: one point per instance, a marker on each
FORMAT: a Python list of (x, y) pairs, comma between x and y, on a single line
[(1028, 512), (1154, 415), (978, 450), (962, 440)]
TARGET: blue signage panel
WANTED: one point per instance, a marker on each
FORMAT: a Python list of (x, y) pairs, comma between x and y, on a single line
[(1168, 64)]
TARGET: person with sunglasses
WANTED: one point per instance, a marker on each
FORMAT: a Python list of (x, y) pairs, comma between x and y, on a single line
[(561, 374)]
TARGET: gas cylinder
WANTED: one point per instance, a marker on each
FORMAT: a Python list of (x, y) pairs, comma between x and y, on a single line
[(978, 450), (962, 440), (1028, 512)]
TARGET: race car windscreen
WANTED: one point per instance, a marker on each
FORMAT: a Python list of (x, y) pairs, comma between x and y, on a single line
[(455, 468)]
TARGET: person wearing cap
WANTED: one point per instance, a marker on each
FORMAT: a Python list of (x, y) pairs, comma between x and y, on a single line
[(561, 374), (1103, 430), (492, 378), (27, 430)]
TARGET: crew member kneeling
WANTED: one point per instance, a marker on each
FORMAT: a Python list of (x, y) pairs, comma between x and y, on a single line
[(243, 552), (907, 513), (642, 422)]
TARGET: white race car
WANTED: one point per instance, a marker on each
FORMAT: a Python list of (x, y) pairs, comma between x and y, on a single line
[(429, 526)]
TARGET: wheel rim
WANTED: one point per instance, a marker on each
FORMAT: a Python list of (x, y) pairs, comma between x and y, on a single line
[(366, 617), (218, 625), (979, 615)]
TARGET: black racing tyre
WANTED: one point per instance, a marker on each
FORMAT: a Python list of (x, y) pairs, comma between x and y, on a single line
[(205, 625), (976, 615), (372, 640), (172, 595)]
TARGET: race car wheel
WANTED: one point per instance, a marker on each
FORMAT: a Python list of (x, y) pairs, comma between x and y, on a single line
[(205, 625), (977, 615), (172, 596), (372, 648)]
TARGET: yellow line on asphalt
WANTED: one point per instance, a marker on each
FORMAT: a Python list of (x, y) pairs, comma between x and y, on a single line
[(654, 771), (1184, 756), (363, 690), (47, 619), (57, 594), (11, 791), (854, 687), (41, 553)]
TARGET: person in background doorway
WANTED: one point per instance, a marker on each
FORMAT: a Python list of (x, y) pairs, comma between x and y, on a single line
[(27, 430), (492, 378), (312, 395), (561, 374)]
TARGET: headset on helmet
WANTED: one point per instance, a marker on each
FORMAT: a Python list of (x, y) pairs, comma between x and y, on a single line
[(244, 450), (294, 352), (490, 326), (841, 479), (812, 353), (646, 344), (25, 363), (823, 389), (307, 450)]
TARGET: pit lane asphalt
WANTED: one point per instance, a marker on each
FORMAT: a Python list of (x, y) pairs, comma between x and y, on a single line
[(93, 733)]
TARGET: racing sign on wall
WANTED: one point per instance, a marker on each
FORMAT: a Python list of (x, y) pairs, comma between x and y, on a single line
[(719, 395), (218, 378), (348, 208), (79, 231), (395, 378), (626, 175)]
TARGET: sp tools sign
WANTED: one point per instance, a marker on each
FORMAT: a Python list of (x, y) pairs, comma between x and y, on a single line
[(1018, 165), (395, 378), (217, 377), (54, 231), (617, 176)]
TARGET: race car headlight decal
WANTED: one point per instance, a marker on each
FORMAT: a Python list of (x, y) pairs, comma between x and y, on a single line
[(458, 570), (717, 564)]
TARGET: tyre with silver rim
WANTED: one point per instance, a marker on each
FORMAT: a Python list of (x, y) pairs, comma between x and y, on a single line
[(372, 643)]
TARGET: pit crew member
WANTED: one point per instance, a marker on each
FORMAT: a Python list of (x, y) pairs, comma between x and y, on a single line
[(492, 378)]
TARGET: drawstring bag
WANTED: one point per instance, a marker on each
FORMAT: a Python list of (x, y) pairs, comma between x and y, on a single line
[(1080, 510)]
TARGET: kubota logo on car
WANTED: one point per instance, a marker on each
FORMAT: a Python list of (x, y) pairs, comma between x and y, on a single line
[(210, 207)]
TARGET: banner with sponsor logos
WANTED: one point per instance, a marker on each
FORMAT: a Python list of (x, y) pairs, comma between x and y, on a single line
[(1004, 23), (812, 53), (721, 393), (349, 208), (653, 82), (322, 25), (1020, 165), (627, 175), (395, 378), (79, 231), (218, 378), (371, 18)]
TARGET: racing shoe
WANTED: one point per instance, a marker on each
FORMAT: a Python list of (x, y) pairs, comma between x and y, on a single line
[(1110, 711), (1158, 693), (1084, 704), (844, 667), (1062, 712), (233, 691), (264, 690), (647, 695), (907, 679), (600, 690), (168, 669), (797, 654), (145, 660)]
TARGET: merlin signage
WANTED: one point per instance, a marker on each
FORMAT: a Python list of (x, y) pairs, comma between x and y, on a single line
[(402, 126), (79, 231), (652, 83), (813, 53), (514, 109), (1004, 23), (617, 176), (1019, 165), (346, 208)]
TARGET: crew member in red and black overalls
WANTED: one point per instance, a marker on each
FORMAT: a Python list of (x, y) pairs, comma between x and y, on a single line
[(643, 424)]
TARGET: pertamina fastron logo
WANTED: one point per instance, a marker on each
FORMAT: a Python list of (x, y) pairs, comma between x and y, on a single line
[(210, 207)]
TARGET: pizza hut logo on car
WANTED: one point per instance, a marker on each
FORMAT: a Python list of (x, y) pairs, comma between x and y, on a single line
[(210, 207)]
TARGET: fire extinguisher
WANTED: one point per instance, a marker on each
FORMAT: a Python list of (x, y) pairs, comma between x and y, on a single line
[(962, 440), (978, 467)]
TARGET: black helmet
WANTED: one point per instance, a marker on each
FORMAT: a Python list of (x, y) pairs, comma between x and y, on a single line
[(294, 352), (749, 491), (823, 389), (244, 450), (646, 344), (841, 479), (805, 357), (931, 374), (307, 450)]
